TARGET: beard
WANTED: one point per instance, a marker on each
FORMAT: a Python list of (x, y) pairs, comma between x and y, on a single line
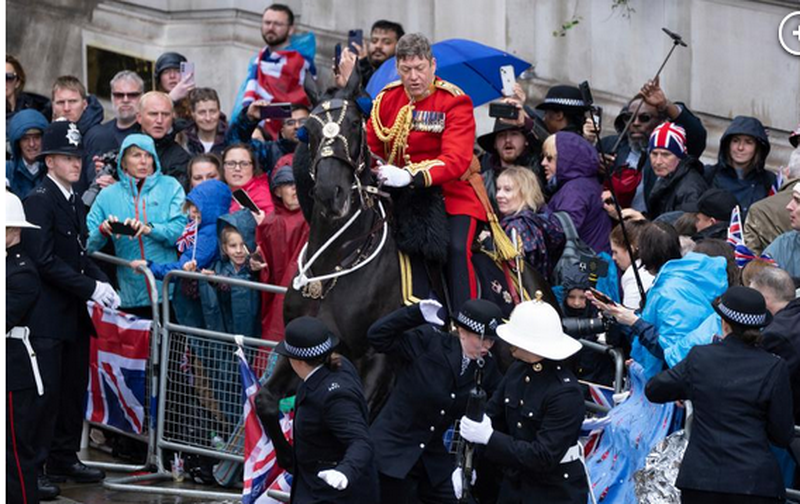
[(639, 144), (273, 39)]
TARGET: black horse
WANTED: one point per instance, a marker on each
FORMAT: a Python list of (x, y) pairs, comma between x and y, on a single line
[(349, 270)]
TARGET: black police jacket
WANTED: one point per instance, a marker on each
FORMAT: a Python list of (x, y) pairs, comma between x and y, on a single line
[(782, 337), (537, 414), (59, 250), (330, 432), (22, 291), (742, 401), (430, 393)]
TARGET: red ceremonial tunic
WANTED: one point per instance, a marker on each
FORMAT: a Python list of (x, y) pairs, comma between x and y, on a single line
[(439, 146)]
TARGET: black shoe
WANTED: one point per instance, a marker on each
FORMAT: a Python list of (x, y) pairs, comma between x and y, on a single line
[(47, 489), (77, 472)]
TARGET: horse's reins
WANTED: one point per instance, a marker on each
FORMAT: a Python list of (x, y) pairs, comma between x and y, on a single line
[(331, 131)]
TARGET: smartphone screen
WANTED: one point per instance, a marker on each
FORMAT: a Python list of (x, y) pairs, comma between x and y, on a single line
[(337, 58), (277, 111), (241, 197), (119, 228), (602, 297)]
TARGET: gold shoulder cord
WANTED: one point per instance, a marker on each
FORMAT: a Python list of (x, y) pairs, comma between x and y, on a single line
[(398, 133)]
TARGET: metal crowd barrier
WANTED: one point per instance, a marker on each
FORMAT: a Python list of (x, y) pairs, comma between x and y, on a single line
[(151, 380), (199, 389), (619, 370)]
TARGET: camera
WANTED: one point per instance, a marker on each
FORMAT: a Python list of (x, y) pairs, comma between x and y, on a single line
[(580, 327), (109, 160)]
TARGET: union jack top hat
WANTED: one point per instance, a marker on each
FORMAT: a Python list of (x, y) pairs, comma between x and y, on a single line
[(669, 136)]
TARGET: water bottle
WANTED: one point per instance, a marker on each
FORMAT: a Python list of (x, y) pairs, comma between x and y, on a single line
[(217, 442)]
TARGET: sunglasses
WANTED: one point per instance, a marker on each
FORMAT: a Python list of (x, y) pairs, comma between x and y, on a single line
[(643, 117), (10, 76), (126, 96)]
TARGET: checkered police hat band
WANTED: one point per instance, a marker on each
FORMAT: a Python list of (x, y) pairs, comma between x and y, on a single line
[(473, 325), (310, 352), (747, 319), (569, 102)]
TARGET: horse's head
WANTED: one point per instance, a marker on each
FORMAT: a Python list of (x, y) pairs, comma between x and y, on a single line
[(338, 149)]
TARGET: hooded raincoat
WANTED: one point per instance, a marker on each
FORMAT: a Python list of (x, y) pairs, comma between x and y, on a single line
[(18, 177), (157, 201), (578, 190)]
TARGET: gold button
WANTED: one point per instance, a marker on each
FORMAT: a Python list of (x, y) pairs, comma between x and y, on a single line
[(537, 367)]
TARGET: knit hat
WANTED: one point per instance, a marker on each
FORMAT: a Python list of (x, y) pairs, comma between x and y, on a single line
[(717, 203), (282, 173), (669, 136)]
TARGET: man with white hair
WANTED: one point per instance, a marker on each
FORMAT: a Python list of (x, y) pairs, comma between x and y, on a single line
[(785, 249), (767, 219)]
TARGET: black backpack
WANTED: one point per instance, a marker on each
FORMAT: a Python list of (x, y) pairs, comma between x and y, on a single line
[(574, 249)]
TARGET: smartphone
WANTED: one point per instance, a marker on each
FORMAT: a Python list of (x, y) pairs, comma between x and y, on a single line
[(337, 58), (507, 79), (187, 68), (118, 228), (277, 111), (241, 197), (503, 110), (597, 114), (355, 37), (601, 297)]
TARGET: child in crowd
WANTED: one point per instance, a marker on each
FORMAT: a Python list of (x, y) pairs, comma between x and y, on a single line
[(521, 204), (280, 236), (619, 252), (203, 167)]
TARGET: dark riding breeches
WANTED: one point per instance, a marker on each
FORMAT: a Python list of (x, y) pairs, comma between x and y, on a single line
[(461, 282)]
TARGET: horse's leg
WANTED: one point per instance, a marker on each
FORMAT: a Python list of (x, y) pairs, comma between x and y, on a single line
[(376, 372), (282, 381)]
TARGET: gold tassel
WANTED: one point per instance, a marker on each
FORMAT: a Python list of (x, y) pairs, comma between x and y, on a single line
[(503, 246)]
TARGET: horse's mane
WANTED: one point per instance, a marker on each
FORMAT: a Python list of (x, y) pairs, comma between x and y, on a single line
[(301, 167)]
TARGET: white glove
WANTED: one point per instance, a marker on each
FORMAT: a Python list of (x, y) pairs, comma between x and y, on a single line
[(334, 478), (105, 295), (476, 432), (457, 479), (392, 176), (430, 311)]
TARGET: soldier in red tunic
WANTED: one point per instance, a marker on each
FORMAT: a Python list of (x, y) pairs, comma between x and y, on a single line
[(424, 128)]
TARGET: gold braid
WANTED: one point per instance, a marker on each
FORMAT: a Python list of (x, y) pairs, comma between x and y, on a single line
[(398, 133)]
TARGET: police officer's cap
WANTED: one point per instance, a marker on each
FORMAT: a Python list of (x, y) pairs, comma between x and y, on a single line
[(480, 316), (61, 137), (307, 338)]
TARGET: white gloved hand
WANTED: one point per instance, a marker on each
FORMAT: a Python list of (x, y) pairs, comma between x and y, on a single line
[(105, 295), (458, 481), (430, 311), (334, 478), (392, 176), (476, 432)]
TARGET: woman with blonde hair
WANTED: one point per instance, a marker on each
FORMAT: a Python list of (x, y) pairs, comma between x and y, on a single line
[(521, 204)]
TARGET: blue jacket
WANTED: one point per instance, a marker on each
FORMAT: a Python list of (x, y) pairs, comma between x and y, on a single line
[(19, 178), (267, 152), (678, 303), (758, 182), (158, 202), (227, 308), (212, 198)]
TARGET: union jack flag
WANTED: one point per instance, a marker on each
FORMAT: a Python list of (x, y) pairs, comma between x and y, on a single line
[(669, 136), (117, 369), (741, 252), (278, 77), (260, 465), (189, 237), (778, 183)]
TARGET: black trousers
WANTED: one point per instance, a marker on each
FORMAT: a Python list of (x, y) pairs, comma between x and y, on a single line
[(701, 497), (22, 420), (65, 372), (462, 282), (416, 487)]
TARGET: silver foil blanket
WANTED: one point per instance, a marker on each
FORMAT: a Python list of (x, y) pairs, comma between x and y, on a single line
[(655, 484)]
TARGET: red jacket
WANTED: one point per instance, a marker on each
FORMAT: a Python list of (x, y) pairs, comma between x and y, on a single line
[(258, 190), (281, 236), (438, 150)]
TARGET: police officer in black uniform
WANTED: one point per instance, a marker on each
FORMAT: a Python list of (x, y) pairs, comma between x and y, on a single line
[(60, 318), (534, 419), (333, 454), (436, 372), (23, 381)]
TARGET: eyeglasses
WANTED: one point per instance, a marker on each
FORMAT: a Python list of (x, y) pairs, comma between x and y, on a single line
[(231, 165), (11, 76), (126, 96), (643, 117), (293, 122), (275, 23)]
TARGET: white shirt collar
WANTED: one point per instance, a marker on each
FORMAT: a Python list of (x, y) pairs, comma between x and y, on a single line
[(66, 192), (312, 372)]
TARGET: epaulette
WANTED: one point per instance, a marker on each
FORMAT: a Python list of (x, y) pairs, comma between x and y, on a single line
[(392, 85), (449, 87)]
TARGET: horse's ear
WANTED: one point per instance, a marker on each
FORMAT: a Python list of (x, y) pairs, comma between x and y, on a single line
[(353, 86), (311, 89)]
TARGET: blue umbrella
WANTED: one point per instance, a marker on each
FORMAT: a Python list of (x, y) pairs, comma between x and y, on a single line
[(473, 67)]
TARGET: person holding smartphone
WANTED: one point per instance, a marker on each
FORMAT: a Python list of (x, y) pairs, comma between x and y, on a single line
[(242, 172), (141, 215)]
